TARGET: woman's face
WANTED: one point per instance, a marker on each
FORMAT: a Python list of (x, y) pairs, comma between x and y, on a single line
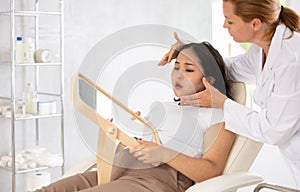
[(187, 74), (237, 28)]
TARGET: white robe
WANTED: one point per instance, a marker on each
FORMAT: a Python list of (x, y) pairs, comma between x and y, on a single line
[(277, 93)]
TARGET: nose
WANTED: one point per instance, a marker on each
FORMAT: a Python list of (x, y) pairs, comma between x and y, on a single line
[(224, 24), (179, 74)]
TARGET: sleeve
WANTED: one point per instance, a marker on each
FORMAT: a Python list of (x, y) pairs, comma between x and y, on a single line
[(243, 68), (279, 120)]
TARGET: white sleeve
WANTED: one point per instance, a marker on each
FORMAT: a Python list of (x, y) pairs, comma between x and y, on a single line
[(279, 120), (243, 68)]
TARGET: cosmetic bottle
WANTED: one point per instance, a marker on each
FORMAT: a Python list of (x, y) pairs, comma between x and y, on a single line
[(30, 99), (19, 50), (29, 48)]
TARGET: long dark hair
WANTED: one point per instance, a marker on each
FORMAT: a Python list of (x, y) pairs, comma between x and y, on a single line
[(212, 63)]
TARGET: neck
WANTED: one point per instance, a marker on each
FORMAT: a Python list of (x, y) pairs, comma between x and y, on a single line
[(261, 40), (265, 48)]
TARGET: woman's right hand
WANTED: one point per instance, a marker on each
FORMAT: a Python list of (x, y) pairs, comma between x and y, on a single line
[(210, 97), (171, 54), (152, 153)]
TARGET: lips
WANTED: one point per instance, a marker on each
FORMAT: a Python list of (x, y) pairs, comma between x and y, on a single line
[(178, 86)]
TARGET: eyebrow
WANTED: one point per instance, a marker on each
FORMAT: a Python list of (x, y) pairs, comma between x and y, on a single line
[(176, 62), (227, 17)]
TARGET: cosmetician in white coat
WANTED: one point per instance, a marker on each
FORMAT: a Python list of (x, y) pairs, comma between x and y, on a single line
[(273, 64)]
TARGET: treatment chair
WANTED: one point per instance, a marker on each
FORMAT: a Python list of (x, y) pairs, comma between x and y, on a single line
[(242, 155), (274, 187), (235, 174)]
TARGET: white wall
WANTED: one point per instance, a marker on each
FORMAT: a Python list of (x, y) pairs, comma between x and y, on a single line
[(294, 4)]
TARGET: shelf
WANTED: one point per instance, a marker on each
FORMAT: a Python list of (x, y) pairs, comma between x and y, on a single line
[(5, 98), (29, 13), (38, 116), (13, 14), (28, 170), (19, 117), (32, 64), (25, 170), (38, 64), (50, 94)]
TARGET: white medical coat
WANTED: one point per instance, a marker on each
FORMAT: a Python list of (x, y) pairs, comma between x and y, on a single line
[(277, 93)]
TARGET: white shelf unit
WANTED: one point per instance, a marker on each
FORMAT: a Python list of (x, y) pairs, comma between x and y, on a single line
[(11, 15)]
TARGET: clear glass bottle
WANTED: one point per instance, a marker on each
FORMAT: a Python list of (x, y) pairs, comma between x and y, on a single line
[(29, 48), (30, 99)]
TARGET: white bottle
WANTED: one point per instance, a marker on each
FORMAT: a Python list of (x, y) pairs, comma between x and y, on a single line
[(30, 99), (29, 48), (19, 51)]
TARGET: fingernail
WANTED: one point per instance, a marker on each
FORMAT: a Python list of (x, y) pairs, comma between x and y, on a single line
[(176, 99)]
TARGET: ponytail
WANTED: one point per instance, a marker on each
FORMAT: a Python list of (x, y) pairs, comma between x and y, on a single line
[(290, 18)]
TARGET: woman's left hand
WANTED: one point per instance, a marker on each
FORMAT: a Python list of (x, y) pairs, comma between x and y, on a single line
[(151, 153), (210, 97)]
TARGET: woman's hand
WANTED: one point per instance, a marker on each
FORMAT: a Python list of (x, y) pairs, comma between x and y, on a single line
[(174, 48), (152, 153), (138, 113), (210, 97)]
